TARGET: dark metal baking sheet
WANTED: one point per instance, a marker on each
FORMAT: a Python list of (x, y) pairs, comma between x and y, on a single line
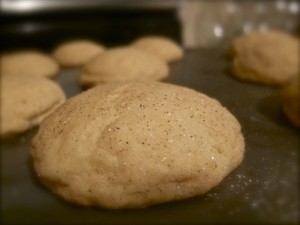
[(262, 190)]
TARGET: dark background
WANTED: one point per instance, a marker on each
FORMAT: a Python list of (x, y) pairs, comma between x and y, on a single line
[(109, 26)]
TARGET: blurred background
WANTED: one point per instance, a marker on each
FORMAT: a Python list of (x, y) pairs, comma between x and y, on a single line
[(194, 24)]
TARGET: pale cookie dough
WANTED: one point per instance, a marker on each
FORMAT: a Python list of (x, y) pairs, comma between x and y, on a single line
[(162, 47), (135, 144), (26, 101), (290, 98), (23, 63), (77, 52), (270, 57), (123, 64)]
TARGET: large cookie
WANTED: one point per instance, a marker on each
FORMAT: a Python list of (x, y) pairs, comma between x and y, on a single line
[(162, 47), (26, 101), (123, 64), (270, 57), (76, 52), (134, 144), (23, 63), (290, 98)]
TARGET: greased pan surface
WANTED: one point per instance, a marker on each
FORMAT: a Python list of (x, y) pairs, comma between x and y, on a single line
[(262, 190)]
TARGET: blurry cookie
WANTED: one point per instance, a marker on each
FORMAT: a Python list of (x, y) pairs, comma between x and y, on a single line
[(290, 96), (270, 57), (26, 101), (162, 47), (28, 63), (123, 64), (134, 144), (77, 52)]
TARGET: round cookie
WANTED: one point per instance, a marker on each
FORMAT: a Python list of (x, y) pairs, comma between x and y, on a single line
[(135, 144), (77, 52), (23, 63), (290, 98), (123, 64), (26, 101), (270, 57), (162, 47)]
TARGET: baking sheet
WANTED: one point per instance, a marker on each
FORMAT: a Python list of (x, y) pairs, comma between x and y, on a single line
[(262, 190)]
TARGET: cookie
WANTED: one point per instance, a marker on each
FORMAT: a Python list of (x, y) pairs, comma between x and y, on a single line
[(290, 98), (26, 101), (162, 47), (270, 57), (135, 144), (23, 63), (123, 64), (77, 52)]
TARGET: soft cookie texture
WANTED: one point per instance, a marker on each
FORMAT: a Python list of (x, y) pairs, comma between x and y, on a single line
[(123, 64), (31, 62), (290, 98), (134, 144), (162, 47), (26, 101), (270, 57), (77, 52)]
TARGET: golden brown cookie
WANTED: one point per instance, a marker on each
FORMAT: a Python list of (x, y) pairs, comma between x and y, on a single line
[(77, 52), (270, 57), (123, 64), (26, 101), (290, 97), (135, 144), (23, 63), (162, 47)]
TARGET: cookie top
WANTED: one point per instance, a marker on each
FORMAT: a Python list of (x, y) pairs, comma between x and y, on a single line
[(134, 144), (26, 101), (77, 52), (162, 47), (290, 98), (123, 64), (270, 57), (23, 63)]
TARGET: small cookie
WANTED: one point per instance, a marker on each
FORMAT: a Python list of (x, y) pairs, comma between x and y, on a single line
[(270, 57), (77, 52), (135, 144), (123, 64), (25, 63), (26, 101), (290, 97), (162, 47)]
